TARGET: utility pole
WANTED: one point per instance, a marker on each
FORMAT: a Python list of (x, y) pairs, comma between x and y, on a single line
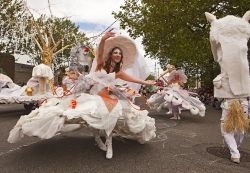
[(155, 71), (158, 69), (50, 9)]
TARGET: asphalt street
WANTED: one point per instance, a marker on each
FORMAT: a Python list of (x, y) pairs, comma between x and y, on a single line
[(190, 145)]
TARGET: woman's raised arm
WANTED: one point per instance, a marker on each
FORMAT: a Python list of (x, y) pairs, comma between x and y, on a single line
[(99, 58)]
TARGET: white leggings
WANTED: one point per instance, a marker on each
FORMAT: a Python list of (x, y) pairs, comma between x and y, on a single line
[(233, 139)]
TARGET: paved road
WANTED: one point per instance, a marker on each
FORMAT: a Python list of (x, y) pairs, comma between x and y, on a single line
[(180, 147)]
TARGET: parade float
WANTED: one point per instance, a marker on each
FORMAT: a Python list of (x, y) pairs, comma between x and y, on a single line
[(40, 85)]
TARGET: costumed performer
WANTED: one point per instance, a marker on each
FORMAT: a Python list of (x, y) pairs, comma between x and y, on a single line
[(228, 38)]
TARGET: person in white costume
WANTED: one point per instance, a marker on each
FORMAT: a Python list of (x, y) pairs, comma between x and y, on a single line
[(97, 102), (228, 38), (175, 98), (113, 56), (165, 74)]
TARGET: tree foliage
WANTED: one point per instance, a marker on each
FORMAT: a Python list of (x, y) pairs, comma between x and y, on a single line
[(177, 31), (17, 32), (12, 16)]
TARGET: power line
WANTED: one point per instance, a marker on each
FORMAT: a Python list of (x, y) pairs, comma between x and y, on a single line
[(106, 28), (96, 36)]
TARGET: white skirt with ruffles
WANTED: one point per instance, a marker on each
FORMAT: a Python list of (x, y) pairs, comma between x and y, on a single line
[(56, 116), (176, 98)]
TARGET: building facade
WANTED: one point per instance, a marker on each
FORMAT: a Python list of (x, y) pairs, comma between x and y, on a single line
[(20, 73), (7, 65), (23, 72)]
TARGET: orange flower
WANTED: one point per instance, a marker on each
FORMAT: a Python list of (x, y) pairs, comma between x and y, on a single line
[(73, 103)]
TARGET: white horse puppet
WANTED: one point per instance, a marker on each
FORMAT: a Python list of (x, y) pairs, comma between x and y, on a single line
[(229, 36), (80, 59)]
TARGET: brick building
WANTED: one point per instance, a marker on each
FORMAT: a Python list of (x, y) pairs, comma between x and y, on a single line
[(19, 71), (7, 65)]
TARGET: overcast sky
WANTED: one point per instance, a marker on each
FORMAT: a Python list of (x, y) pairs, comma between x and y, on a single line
[(92, 16)]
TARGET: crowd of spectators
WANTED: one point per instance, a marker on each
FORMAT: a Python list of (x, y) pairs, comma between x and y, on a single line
[(206, 95)]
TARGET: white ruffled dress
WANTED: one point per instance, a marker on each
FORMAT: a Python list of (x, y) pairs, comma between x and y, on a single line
[(56, 115), (177, 99)]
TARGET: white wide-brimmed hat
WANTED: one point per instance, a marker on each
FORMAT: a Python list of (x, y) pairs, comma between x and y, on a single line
[(127, 46)]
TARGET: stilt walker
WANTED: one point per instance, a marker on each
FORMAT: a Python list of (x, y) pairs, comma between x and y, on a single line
[(228, 38)]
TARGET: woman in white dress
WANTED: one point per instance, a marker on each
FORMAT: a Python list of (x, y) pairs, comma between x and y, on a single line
[(175, 98), (97, 102)]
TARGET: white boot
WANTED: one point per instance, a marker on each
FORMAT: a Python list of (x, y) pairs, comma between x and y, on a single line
[(169, 111), (178, 117), (109, 153), (100, 144), (99, 141)]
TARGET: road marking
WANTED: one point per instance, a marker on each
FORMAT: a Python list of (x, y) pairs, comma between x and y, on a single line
[(184, 154), (159, 137), (16, 149), (214, 161), (181, 133)]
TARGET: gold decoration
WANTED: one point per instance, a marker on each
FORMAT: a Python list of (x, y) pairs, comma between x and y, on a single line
[(44, 40), (46, 44), (29, 91)]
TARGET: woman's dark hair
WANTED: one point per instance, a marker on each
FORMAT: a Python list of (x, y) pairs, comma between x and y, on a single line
[(107, 64)]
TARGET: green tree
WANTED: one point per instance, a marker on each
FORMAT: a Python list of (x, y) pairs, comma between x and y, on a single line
[(177, 30), (12, 17), (17, 32)]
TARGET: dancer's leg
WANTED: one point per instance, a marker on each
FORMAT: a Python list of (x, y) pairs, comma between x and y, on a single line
[(231, 143), (109, 153), (99, 141), (169, 106), (176, 114), (239, 136)]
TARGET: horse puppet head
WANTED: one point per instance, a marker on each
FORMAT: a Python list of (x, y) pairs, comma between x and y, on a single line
[(80, 59), (228, 37)]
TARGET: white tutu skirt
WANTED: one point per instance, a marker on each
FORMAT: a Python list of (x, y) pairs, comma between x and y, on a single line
[(175, 98), (56, 116)]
